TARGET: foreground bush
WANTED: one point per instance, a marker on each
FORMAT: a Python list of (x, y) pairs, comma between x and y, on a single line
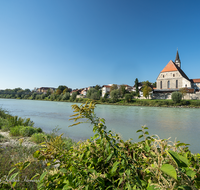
[(176, 97), (107, 162)]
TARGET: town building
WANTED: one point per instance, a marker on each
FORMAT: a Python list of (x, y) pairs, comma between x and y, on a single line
[(172, 78)]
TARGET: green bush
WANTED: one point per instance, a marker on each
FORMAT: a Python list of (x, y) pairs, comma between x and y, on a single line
[(16, 131), (38, 137), (176, 97), (28, 131), (128, 97)]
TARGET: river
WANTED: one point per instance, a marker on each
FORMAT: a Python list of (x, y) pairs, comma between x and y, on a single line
[(182, 124)]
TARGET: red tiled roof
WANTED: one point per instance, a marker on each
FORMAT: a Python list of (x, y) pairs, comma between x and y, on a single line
[(169, 67), (195, 80), (106, 86)]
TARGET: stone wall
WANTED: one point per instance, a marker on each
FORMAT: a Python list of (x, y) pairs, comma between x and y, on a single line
[(188, 96)]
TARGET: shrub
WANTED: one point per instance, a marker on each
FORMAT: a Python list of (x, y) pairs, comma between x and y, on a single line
[(38, 137), (27, 131), (114, 94), (176, 97), (66, 96), (128, 97), (15, 131)]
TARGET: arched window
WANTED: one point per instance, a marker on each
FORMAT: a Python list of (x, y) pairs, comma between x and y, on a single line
[(160, 84), (176, 83), (168, 84)]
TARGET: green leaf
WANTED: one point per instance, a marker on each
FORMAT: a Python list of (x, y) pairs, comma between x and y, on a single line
[(95, 136), (146, 128), (140, 136), (109, 157), (178, 159), (169, 170), (114, 168), (36, 154), (13, 176), (152, 187), (25, 165), (63, 170), (42, 176), (11, 171), (190, 173), (147, 133), (138, 131)]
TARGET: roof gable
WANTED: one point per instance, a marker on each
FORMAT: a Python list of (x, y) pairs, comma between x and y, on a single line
[(170, 67)]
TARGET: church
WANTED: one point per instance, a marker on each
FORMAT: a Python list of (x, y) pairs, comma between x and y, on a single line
[(172, 78)]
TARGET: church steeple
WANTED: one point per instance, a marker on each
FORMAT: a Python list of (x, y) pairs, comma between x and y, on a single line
[(177, 60)]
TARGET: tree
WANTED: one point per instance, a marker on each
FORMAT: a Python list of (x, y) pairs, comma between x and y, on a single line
[(128, 97), (114, 94), (58, 91), (136, 86), (154, 84), (97, 87), (122, 90), (62, 87), (113, 87), (92, 93), (183, 91), (146, 89), (66, 90), (73, 97), (176, 97), (66, 96)]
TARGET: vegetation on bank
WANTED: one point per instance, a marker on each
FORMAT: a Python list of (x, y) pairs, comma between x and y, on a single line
[(105, 161), (18, 147), (117, 97)]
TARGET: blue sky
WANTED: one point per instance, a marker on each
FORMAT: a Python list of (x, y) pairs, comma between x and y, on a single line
[(80, 43)]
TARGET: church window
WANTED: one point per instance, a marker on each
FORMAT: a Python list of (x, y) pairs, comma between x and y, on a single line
[(160, 84), (163, 76), (186, 85), (176, 83), (168, 84), (173, 75)]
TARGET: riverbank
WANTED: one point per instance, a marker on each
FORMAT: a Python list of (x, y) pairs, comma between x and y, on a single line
[(133, 102)]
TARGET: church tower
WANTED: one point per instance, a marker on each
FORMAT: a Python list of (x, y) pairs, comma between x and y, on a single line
[(177, 60)]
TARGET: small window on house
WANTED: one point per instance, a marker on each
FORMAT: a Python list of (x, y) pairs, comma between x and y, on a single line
[(173, 75), (176, 83), (163, 76), (168, 84), (186, 85), (160, 84)]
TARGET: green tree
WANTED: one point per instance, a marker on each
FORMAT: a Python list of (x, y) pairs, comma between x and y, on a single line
[(136, 86), (128, 97), (122, 90), (154, 84), (176, 97), (58, 91), (146, 91), (92, 93), (62, 87), (66, 96), (114, 94), (73, 97), (113, 87), (65, 90), (183, 91), (97, 87)]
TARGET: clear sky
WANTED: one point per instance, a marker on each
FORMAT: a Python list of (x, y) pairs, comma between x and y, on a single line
[(81, 43)]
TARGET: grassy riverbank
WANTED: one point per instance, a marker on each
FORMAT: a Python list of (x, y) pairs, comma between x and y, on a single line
[(19, 139), (135, 102), (103, 162)]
